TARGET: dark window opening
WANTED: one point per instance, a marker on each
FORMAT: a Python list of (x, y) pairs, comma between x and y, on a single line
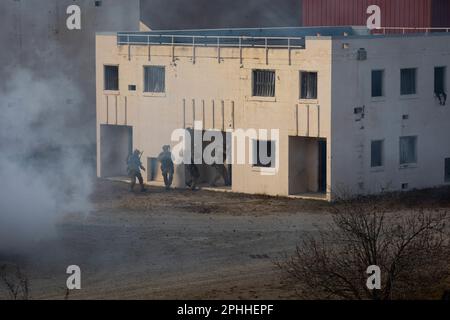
[(112, 78), (376, 158), (408, 81), (439, 84), (264, 154), (447, 170), (154, 79), (98, 3), (132, 87), (408, 150), (263, 83), (377, 83), (308, 85)]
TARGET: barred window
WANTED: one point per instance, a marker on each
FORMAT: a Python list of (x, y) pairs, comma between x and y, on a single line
[(263, 83), (308, 85), (154, 79), (111, 78), (408, 150), (408, 81)]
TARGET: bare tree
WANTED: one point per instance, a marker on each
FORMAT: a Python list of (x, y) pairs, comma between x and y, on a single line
[(14, 281), (411, 248)]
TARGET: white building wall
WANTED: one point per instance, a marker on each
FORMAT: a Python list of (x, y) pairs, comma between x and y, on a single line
[(429, 121)]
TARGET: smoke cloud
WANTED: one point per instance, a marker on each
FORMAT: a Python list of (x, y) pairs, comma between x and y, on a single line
[(195, 14), (43, 173), (47, 111), (46, 165)]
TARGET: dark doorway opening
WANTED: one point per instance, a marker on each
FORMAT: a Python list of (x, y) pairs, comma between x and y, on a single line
[(322, 176), (211, 175), (307, 166), (116, 143)]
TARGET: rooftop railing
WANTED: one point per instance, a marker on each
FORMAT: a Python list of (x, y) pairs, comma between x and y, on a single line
[(406, 30), (210, 41)]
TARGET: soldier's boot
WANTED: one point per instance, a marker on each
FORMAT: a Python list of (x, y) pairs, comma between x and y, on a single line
[(169, 180), (141, 182), (166, 180)]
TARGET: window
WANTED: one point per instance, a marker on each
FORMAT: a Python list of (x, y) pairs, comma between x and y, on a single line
[(98, 3), (439, 80), (263, 154), (154, 79), (308, 85), (439, 84), (408, 81), (111, 78), (376, 155), (377, 83), (447, 170), (131, 87), (408, 150), (263, 83)]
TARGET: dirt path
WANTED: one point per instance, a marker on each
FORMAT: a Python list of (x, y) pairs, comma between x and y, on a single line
[(177, 244)]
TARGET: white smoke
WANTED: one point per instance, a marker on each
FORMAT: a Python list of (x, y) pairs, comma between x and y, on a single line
[(43, 173), (47, 111)]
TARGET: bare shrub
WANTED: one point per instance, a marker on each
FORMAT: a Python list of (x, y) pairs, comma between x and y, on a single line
[(411, 248), (14, 282)]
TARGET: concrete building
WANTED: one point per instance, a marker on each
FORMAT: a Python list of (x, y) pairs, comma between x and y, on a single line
[(356, 113)]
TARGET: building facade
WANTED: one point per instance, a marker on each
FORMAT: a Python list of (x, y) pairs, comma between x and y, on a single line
[(355, 113)]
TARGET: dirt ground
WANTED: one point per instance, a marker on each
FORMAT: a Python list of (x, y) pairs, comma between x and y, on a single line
[(179, 244)]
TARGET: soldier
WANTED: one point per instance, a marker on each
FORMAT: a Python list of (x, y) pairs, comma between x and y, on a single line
[(167, 167), (220, 171), (134, 167), (194, 175), (442, 96)]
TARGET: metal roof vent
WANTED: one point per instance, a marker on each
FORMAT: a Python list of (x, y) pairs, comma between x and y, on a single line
[(362, 54)]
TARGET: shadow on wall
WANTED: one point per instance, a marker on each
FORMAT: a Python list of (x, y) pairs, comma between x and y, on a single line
[(199, 14)]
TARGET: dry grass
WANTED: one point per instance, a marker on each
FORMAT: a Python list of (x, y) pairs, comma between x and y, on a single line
[(410, 246)]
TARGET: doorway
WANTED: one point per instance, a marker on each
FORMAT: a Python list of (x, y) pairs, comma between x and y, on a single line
[(307, 165), (322, 167), (116, 143), (211, 175)]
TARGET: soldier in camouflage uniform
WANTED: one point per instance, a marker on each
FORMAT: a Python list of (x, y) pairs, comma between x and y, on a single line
[(134, 166), (194, 175), (167, 167), (221, 171)]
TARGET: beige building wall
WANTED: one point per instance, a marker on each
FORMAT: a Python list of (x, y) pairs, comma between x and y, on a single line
[(216, 89)]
